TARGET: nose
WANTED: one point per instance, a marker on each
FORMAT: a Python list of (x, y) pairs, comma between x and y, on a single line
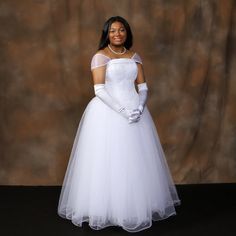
[(117, 33)]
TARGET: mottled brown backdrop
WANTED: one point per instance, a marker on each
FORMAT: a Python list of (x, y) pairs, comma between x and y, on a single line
[(189, 54)]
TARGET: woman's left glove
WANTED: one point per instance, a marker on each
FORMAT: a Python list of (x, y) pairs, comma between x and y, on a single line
[(134, 116), (142, 92), (136, 113)]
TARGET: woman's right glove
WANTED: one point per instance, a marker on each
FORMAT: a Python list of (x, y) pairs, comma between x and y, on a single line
[(101, 92)]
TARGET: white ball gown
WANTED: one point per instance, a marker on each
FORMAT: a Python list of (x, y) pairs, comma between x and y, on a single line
[(117, 173)]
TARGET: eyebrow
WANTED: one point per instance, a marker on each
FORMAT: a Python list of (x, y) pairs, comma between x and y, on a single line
[(118, 28)]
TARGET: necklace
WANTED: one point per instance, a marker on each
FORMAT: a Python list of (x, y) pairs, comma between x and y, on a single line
[(118, 53)]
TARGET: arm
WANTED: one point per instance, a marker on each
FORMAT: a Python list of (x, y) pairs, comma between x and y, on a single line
[(142, 88), (142, 92), (101, 92)]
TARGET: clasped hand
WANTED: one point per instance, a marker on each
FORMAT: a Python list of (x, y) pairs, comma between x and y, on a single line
[(134, 116)]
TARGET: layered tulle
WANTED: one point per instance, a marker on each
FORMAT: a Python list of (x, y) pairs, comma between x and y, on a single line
[(117, 173)]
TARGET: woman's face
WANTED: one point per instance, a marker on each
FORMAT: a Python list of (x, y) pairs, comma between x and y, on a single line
[(117, 34)]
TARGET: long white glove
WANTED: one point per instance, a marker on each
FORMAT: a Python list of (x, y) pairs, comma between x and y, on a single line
[(101, 92), (142, 91), (135, 116)]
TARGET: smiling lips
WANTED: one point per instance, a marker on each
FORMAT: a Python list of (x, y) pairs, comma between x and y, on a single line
[(118, 39)]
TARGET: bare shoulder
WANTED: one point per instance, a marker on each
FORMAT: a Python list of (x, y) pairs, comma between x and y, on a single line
[(131, 52), (103, 52)]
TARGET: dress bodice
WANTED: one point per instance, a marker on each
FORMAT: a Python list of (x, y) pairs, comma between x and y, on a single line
[(119, 80), (120, 77)]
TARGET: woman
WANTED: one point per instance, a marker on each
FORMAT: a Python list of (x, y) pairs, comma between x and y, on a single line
[(117, 174)]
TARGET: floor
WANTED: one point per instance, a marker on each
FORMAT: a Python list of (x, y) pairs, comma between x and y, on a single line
[(206, 209)]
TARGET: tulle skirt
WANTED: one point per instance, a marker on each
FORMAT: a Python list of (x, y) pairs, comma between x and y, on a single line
[(117, 173)]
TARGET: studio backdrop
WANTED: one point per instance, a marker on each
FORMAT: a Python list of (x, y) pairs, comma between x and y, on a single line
[(189, 55)]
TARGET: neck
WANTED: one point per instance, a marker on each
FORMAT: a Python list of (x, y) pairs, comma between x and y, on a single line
[(117, 48)]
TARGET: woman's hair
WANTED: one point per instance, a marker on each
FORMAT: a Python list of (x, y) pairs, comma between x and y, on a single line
[(104, 41)]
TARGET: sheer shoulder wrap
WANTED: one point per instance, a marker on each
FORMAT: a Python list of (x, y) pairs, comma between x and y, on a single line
[(137, 58), (99, 60)]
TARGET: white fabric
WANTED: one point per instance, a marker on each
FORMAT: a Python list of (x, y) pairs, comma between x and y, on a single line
[(142, 86), (117, 172), (135, 115), (102, 60), (99, 60), (142, 91), (137, 58), (100, 91)]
